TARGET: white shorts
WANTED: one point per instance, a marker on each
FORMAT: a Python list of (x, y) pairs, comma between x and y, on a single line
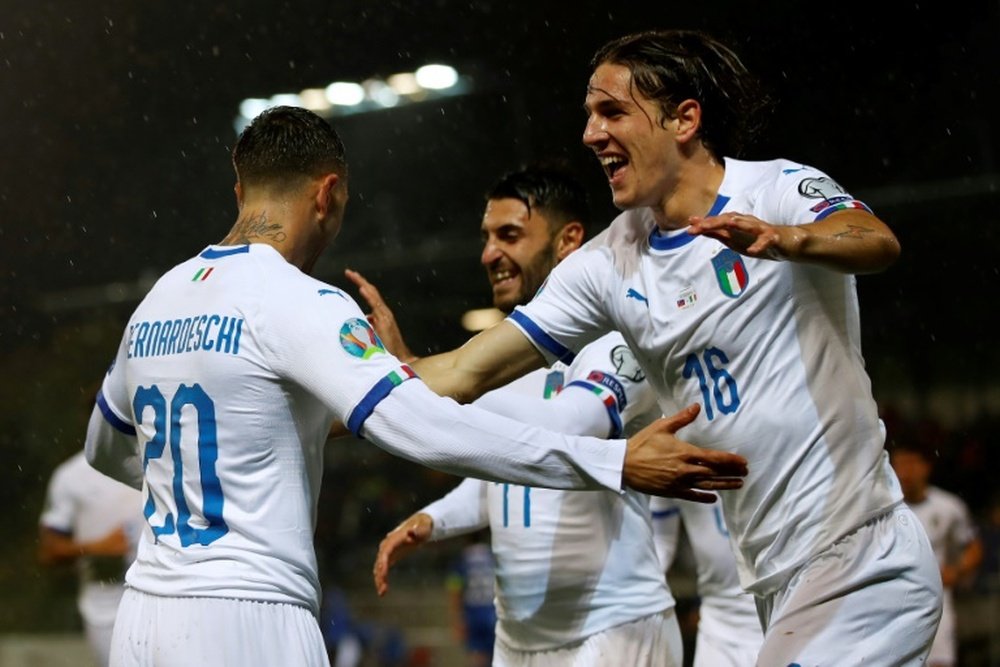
[(943, 650), (98, 605), (871, 598), (651, 641), (152, 630), (724, 641)]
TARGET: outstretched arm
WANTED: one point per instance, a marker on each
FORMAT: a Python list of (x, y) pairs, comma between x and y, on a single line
[(487, 361), (849, 241)]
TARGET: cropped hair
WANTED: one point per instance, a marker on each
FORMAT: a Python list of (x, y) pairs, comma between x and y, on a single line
[(285, 144), (551, 188), (670, 66)]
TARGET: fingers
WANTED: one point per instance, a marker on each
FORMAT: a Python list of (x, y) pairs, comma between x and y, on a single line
[(681, 419)]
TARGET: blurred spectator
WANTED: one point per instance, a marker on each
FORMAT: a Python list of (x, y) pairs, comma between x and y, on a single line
[(92, 521), (470, 593), (952, 533)]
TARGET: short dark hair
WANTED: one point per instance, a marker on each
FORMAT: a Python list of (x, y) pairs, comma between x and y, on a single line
[(670, 66), (284, 144), (549, 186)]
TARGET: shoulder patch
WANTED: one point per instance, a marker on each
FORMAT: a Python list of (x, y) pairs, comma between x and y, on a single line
[(820, 188), (625, 363), (359, 339)]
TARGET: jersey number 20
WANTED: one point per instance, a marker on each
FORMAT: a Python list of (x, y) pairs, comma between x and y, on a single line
[(164, 431)]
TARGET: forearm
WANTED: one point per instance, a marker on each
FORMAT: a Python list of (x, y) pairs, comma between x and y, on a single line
[(459, 512), (487, 361), (850, 241), (415, 424)]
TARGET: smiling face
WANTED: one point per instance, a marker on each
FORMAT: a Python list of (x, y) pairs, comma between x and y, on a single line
[(637, 150), (519, 251)]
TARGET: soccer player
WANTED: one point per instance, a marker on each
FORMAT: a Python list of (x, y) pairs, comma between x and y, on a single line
[(229, 376), (729, 632), (92, 521), (733, 282), (578, 581), (952, 532)]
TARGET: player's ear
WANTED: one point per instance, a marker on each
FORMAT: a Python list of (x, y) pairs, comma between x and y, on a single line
[(326, 194), (687, 120), (238, 189), (568, 239)]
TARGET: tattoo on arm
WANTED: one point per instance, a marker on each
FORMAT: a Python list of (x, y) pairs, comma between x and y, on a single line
[(854, 232), (255, 225)]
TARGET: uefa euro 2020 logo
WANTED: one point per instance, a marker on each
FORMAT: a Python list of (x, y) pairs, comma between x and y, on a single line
[(359, 339)]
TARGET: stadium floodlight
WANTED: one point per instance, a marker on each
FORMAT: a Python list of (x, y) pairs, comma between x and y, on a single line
[(345, 93), (436, 77), (404, 83), (252, 107), (315, 99), (285, 100), (381, 93)]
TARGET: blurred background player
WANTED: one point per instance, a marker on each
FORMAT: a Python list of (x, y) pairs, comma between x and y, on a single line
[(578, 582), (953, 536), (470, 583), (92, 521), (729, 633)]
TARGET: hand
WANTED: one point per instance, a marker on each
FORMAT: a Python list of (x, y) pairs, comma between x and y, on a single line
[(400, 541), (381, 318), (660, 464), (747, 235)]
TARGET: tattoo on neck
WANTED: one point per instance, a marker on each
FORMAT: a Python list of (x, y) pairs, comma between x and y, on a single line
[(854, 232), (255, 226)]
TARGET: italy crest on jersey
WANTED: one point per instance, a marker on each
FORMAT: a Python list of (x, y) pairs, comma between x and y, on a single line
[(359, 339), (731, 272)]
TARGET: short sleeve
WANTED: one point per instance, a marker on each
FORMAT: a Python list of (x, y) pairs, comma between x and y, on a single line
[(805, 194), (609, 369), (567, 313)]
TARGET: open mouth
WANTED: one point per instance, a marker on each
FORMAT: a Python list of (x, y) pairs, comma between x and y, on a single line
[(613, 164), (502, 277)]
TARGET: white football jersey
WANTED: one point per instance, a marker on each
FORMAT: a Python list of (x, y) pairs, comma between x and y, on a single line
[(946, 519), (231, 372), (771, 351), (569, 564), (87, 505)]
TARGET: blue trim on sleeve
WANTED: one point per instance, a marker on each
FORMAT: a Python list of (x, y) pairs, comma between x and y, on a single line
[(561, 352), (366, 406), (212, 253), (665, 514), (610, 404), (111, 417)]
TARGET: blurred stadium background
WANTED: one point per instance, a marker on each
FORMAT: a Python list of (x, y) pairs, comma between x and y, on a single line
[(116, 124)]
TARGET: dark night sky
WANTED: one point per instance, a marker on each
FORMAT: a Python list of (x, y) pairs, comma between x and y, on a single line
[(117, 121)]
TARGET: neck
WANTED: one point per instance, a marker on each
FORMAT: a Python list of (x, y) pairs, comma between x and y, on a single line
[(692, 194), (275, 224)]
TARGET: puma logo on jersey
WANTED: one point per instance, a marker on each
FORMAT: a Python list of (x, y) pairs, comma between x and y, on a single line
[(324, 292), (631, 293)]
